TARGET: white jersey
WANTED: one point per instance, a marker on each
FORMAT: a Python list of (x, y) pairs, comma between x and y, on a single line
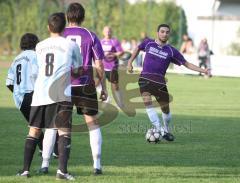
[(55, 56), (22, 75)]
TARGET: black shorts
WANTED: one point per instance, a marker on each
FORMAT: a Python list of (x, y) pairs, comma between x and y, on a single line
[(85, 99), (26, 105), (159, 91), (56, 115), (112, 76)]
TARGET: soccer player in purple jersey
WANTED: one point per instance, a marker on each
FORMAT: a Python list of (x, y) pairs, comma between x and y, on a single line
[(112, 50), (84, 94), (159, 55)]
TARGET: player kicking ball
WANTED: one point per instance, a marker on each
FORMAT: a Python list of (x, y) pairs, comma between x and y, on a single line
[(22, 76), (159, 54), (51, 106)]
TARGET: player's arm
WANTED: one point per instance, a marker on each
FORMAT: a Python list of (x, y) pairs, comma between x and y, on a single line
[(10, 79), (100, 74), (130, 61), (195, 68)]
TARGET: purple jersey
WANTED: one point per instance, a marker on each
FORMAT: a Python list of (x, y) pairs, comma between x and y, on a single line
[(111, 46), (90, 48), (157, 59)]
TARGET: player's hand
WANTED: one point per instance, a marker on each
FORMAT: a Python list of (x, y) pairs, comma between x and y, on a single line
[(207, 71), (103, 95), (130, 68)]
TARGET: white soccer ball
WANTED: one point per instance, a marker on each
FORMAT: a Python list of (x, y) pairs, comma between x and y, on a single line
[(153, 136)]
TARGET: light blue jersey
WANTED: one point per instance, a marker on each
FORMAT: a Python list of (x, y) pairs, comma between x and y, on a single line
[(22, 75), (56, 56)]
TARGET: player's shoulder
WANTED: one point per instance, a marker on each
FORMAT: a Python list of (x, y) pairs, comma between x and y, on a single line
[(148, 40)]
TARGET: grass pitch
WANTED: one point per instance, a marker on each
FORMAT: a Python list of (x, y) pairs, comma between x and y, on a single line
[(206, 116)]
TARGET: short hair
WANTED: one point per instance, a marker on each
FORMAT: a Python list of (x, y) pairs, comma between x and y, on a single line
[(57, 22), (163, 25), (75, 13), (28, 41)]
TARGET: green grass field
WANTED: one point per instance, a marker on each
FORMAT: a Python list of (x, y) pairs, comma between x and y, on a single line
[(206, 116)]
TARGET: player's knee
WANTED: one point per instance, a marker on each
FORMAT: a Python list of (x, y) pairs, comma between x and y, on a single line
[(34, 132), (64, 131)]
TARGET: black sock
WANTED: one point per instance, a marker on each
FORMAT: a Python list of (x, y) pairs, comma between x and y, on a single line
[(30, 146), (64, 144), (56, 144), (40, 141)]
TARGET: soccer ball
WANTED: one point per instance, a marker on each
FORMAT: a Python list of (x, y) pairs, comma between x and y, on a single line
[(153, 136)]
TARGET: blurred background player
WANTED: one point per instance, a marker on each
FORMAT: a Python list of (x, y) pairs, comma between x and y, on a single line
[(187, 46), (159, 55), (112, 50), (22, 76), (204, 54), (84, 95), (51, 104)]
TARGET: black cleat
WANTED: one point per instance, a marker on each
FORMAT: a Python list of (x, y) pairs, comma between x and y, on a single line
[(97, 171), (168, 137), (43, 170), (64, 176), (23, 174)]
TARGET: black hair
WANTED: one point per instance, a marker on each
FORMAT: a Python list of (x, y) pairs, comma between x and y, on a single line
[(28, 41), (75, 13), (57, 22), (163, 25)]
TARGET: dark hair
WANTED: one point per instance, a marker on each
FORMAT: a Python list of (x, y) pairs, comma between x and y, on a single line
[(75, 13), (28, 41), (57, 22), (163, 25)]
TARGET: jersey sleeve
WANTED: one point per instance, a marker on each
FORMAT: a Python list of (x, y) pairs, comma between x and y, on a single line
[(118, 46), (143, 44), (177, 57), (10, 76), (97, 48)]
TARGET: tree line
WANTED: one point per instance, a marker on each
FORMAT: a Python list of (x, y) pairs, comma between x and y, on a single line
[(127, 20)]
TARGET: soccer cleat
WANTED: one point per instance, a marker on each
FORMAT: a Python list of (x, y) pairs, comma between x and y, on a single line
[(168, 136), (23, 174), (43, 170), (55, 156), (64, 176), (97, 171)]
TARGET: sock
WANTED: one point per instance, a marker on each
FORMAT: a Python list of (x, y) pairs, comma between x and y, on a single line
[(30, 147), (48, 144), (119, 98), (40, 142), (64, 144), (166, 120), (153, 116), (56, 145), (99, 88), (96, 144)]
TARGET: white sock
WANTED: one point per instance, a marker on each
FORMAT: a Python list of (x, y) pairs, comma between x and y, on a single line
[(99, 88), (153, 116), (166, 120), (119, 98), (96, 144), (48, 145)]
